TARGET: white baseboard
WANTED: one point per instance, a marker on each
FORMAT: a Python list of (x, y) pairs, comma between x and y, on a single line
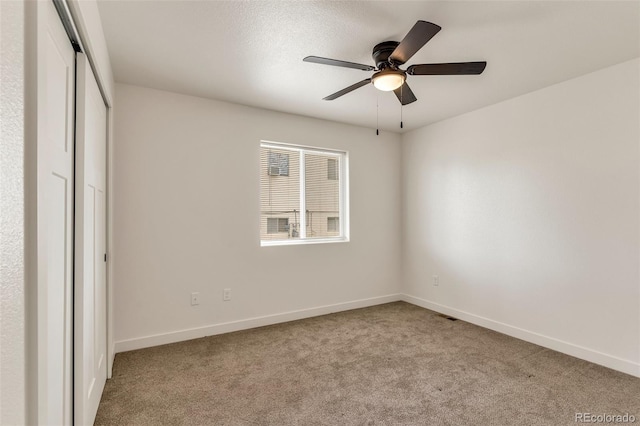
[(227, 327), (610, 361)]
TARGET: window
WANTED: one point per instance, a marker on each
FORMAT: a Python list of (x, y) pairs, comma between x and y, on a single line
[(312, 181), (277, 224), (278, 164)]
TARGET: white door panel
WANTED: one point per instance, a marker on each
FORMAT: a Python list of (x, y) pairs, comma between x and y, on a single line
[(55, 113), (58, 327), (90, 271)]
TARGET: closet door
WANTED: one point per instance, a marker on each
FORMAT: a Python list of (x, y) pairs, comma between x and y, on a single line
[(90, 318), (55, 106)]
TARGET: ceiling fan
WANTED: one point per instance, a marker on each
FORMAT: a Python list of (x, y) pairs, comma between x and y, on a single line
[(389, 55)]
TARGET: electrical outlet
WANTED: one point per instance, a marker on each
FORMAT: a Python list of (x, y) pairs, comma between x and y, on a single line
[(436, 280), (195, 299), (226, 294)]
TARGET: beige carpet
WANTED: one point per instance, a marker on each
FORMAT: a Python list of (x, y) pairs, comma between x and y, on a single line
[(394, 364)]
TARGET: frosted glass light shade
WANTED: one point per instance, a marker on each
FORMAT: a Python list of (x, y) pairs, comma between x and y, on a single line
[(388, 81)]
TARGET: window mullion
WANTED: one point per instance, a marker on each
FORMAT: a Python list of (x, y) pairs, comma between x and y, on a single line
[(303, 203)]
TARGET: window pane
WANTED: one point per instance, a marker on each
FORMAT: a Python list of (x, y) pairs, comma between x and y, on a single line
[(279, 194), (322, 194), (301, 194), (277, 224), (283, 224), (272, 225)]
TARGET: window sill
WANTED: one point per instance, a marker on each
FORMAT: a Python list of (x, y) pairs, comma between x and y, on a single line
[(270, 243)]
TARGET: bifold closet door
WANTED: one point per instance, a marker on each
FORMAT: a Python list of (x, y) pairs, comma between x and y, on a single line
[(90, 316), (55, 131)]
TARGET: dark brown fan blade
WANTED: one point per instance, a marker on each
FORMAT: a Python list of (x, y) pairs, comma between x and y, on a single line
[(460, 68), (337, 63), (348, 89), (419, 35), (405, 94)]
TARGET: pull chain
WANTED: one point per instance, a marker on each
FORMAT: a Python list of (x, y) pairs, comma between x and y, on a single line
[(401, 105), (377, 115)]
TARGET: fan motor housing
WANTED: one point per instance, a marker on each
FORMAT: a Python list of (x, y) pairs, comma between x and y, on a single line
[(381, 53)]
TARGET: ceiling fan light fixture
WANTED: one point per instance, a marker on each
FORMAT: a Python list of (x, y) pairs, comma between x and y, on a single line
[(389, 55), (388, 80)]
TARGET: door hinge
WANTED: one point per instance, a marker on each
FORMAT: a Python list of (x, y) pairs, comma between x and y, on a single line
[(105, 257)]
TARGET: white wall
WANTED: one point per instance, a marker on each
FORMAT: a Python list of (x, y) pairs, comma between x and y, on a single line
[(12, 191), (177, 230), (528, 211)]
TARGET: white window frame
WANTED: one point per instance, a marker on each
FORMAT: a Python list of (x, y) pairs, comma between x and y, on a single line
[(343, 200)]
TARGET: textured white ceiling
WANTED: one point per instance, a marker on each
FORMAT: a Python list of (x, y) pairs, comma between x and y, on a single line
[(250, 52)]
